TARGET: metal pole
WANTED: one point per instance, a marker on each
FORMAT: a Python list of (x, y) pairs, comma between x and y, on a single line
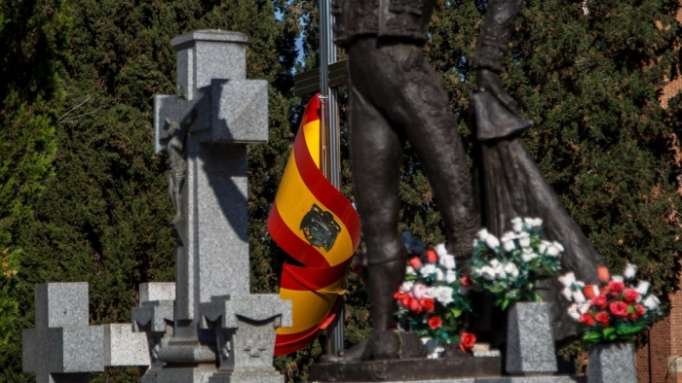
[(331, 161)]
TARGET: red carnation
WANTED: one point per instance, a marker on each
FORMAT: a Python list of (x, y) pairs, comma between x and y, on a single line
[(415, 307), (619, 309), (603, 274), (630, 295), (428, 304), (639, 310), (431, 256), (467, 341), (589, 292), (587, 319), (465, 281), (600, 301), (435, 322), (416, 263), (616, 287), (405, 301), (603, 318)]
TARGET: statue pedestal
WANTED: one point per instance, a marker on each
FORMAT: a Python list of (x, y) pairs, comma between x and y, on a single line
[(491, 379), (457, 368), (448, 369)]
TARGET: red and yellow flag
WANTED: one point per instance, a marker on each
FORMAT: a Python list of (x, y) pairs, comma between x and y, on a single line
[(319, 228)]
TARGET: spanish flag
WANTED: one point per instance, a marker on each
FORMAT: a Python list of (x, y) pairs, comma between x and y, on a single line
[(319, 228)]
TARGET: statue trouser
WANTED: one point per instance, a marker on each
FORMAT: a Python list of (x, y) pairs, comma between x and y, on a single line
[(397, 96)]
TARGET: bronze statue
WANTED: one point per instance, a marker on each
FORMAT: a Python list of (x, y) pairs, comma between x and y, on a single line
[(396, 96)]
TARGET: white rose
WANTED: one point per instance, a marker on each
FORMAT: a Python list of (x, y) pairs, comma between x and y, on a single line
[(528, 255), (573, 312), (447, 261), (483, 234), (499, 272), (441, 250), (443, 294), (643, 287), (450, 276), (487, 272), (585, 307), (559, 246), (406, 286), (552, 250), (567, 279), (630, 271), (508, 245), (492, 242), (617, 278), (524, 242), (651, 302), (427, 270), (542, 248), (511, 269), (567, 293), (578, 296), (517, 224), (440, 275), (410, 271), (419, 290), (508, 236)]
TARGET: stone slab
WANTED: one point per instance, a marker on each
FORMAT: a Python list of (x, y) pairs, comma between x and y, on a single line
[(612, 363), (454, 367), (61, 304), (239, 112), (157, 291), (255, 307), (492, 379), (123, 347), (247, 377), (205, 55), (530, 344)]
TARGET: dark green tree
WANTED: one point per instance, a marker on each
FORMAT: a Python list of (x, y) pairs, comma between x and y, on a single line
[(85, 72)]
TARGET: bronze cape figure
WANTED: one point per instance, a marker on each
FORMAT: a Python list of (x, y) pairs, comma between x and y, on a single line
[(396, 96)]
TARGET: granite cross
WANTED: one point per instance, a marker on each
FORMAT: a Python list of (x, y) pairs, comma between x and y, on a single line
[(205, 129), (64, 348), (207, 326)]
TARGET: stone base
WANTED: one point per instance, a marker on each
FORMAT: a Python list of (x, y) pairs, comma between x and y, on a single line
[(612, 363), (256, 376), (530, 346), (490, 379), (398, 370), (198, 374)]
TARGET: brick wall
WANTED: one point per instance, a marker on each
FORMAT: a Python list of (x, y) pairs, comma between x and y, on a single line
[(660, 361)]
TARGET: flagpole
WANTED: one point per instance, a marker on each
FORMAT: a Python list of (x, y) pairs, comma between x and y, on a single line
[(329, 140)]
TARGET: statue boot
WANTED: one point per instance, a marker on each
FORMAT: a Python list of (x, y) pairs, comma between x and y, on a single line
[(386, 342)]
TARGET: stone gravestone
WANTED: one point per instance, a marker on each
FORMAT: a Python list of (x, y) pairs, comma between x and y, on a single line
[(207, 326), (64, 348)]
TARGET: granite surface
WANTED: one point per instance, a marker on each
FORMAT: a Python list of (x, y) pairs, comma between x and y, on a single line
[(612, 363), (530, 344)]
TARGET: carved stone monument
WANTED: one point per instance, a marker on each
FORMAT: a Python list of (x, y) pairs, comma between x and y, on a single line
[(207, 326)]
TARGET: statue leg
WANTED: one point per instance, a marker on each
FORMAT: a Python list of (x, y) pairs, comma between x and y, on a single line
[(399, 81), (375, 156), (431, 128)]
